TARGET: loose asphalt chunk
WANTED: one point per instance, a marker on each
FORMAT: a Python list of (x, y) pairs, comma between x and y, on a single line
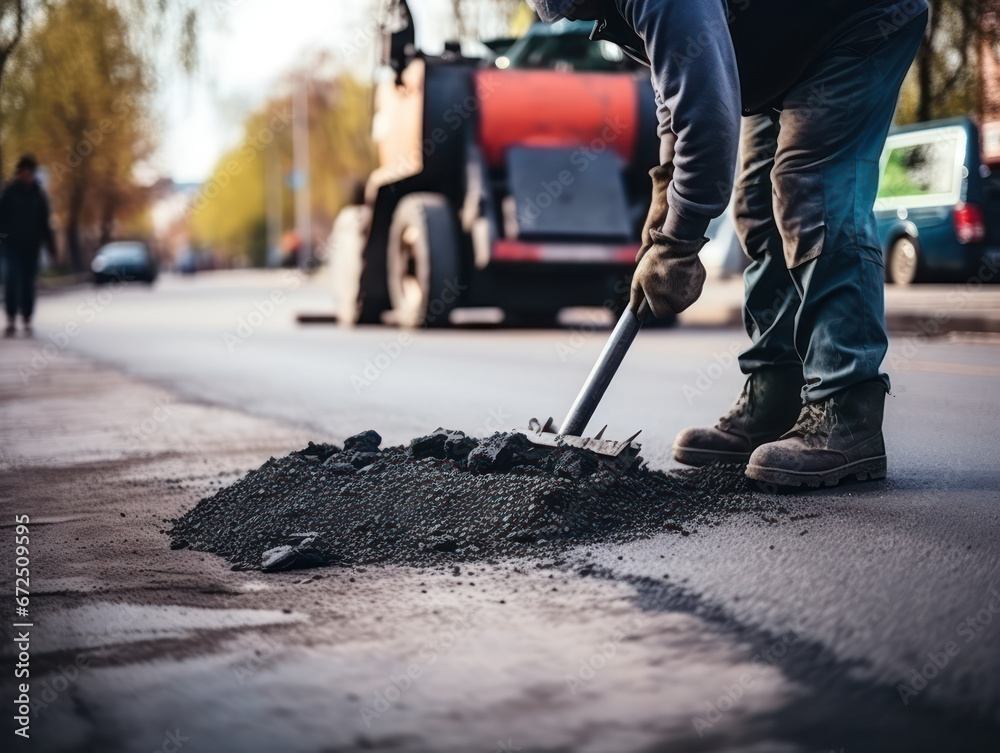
[(446, 497)]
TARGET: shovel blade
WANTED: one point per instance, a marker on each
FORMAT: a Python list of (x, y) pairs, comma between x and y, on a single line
[(544, 435)]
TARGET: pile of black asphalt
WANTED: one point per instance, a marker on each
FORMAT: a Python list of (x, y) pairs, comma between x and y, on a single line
[(446, 497)]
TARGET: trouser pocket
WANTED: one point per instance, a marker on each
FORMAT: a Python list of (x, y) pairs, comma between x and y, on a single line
[(800, 213)]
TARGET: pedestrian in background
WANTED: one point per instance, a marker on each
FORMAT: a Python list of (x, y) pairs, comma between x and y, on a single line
[(24, 227)]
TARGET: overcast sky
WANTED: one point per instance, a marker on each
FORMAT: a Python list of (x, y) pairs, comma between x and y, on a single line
[(246, 47)]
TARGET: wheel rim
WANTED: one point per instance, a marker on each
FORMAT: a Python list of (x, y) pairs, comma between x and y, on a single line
[(410, 291), (904, 262)]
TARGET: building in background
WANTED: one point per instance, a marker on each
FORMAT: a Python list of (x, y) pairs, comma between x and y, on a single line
[(169, 210)]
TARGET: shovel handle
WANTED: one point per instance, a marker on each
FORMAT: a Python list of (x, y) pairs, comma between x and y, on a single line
[(604, 370)]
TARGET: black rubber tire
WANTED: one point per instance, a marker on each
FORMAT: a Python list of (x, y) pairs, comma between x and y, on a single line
[(350, 233), (423, 261), (667, 322), (651, 322), (905, 265), (518, 319)]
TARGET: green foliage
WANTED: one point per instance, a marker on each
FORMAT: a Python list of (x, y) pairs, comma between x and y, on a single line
[(78, 95), (229, 214)]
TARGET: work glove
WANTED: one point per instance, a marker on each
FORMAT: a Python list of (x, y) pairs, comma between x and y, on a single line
[(669, 274), (661, 175)]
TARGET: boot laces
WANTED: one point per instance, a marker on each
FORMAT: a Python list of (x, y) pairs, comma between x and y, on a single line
[(743, 405), (816, 422)]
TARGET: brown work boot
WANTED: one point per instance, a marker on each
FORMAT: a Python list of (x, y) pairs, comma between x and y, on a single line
[(838, 437), (765, 410)]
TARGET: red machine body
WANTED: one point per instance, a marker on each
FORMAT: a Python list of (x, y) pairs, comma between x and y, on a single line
[(549, 109)]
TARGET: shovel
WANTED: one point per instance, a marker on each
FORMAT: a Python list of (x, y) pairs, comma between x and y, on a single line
[(569, 434)]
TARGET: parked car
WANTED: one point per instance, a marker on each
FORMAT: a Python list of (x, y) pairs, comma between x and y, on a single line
[(124, 261), (938, 206)]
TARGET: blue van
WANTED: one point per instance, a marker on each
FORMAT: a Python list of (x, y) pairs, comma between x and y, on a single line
[(938, 206)]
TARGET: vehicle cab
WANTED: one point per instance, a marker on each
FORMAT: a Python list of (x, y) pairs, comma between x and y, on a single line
[(938, 206)]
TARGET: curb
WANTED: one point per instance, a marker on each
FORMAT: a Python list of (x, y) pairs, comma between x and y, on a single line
[(896, 322), (930, 325)]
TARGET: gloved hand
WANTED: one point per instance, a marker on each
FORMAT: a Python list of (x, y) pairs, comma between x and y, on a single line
[(657, 215), (669, 274)]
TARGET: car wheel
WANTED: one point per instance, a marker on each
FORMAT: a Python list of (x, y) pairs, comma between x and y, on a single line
[(652, 322), (531, 319), (348, 241), (423, 264), (905, 266)]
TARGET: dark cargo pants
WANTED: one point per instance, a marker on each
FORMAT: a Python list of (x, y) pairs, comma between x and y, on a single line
[(815, 286)]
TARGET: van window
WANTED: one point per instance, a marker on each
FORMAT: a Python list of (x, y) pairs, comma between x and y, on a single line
[(920, 169)]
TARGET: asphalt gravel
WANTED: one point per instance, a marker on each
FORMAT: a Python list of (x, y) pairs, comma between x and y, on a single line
[(447, 497), (881, 578)]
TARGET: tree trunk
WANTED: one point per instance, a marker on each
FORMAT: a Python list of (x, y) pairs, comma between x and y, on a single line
[(73, 246), (108, 217), (3, 66), (5, 52), (925, 74)]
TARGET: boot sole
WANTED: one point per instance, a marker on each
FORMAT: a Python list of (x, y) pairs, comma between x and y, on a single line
[(698, 458), (868, 469)]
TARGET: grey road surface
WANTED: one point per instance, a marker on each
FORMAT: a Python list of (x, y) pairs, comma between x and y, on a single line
[(890, 591)]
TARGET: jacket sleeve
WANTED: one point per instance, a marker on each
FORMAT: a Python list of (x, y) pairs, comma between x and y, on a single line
[(698, 99)]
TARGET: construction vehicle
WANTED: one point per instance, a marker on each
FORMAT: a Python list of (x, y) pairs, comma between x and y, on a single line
[(517, 181)]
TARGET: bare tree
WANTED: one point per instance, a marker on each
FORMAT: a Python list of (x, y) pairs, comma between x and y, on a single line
[(475, 18), (12, 20), (945, 68)]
